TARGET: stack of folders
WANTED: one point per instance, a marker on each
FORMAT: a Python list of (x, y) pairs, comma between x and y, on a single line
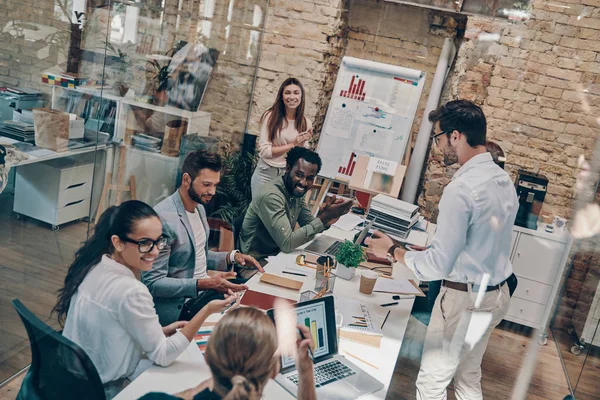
[(146, 142), (18, 130), (392, 216)]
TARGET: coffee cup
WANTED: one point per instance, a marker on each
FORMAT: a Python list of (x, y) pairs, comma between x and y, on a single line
[(367, 281)]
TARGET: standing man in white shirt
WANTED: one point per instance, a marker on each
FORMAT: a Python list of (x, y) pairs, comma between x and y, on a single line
[(469, 252), (178, 281)]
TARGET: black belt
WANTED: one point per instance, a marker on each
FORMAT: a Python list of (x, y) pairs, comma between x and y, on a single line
[(463, 287)]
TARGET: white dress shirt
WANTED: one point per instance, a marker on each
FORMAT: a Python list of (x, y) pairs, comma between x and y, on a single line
[(474, 227), (199, 244), (112, 318)]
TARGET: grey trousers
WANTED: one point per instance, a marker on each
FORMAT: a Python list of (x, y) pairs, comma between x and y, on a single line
[(262, 174)]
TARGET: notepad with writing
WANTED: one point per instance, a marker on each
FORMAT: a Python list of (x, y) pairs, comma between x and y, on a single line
[(398, 286), (260, 300)]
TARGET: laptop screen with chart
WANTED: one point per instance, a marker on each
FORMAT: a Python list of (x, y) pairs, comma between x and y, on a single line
[(314, 317)]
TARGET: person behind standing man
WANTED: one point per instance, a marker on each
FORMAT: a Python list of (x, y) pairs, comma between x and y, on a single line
[(282, 127), (109, 313), (242, 357), (470, 252), (179, 281)]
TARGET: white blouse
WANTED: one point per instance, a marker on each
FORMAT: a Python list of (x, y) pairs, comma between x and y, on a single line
[(286, 135), (112, 318)]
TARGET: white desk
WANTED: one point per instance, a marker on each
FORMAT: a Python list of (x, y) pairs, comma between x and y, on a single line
[(31, 159), (190, 368)]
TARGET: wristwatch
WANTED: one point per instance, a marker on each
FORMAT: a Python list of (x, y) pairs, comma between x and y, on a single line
[(390, 253), (232, 256)]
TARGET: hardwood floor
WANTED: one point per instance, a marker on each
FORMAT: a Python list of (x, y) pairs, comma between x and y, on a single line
[(500, 367), (33, 263), (34, 260)]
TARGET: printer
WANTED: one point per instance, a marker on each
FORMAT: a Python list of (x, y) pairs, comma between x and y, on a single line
[(12, 99), (531, 191)]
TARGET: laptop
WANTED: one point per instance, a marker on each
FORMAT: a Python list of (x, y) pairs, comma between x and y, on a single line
[(328, 246), (336, 378)]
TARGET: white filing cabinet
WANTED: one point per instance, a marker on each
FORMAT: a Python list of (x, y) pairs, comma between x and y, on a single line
[(55, 191), (538, 259)]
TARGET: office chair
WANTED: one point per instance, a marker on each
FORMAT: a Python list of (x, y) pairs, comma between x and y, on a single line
[(59, 368), (244, 274), (237, 229)]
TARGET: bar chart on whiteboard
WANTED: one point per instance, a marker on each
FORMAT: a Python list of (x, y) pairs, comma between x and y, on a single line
[(371, 113), (356, 89)]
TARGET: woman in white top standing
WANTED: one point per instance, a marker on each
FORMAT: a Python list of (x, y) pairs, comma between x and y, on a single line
[(109, 312), (282, 127)]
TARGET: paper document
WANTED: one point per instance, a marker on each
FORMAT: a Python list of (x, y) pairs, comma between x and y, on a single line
[(349, 222), (356, 316), (400, 286)]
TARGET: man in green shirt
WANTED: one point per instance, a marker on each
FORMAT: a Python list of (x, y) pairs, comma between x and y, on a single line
[(269, 224)]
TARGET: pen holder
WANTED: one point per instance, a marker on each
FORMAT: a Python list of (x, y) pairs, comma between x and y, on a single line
[(307, 295), (326, 283), (322, 263)]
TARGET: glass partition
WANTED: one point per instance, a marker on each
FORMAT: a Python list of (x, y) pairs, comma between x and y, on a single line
[(100, 101), (145, 82)]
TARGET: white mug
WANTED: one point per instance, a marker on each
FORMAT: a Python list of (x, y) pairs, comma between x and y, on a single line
[(339, 319)]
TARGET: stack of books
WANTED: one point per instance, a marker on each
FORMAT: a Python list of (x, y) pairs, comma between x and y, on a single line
[(21, 94), (146, 142), (21, 131), (392, 216)]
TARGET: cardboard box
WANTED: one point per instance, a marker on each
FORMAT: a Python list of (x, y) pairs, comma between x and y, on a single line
[(54, 129)]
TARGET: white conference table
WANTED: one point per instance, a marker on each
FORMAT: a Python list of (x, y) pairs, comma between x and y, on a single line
[(190, 368)]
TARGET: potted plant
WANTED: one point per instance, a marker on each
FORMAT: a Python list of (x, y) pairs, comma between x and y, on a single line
[(349, 257), (233, 194)]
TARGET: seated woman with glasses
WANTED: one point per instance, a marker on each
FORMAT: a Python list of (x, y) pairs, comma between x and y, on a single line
[(109, 312)]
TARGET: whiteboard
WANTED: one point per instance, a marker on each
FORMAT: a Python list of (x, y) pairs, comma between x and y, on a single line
[(370, 113)]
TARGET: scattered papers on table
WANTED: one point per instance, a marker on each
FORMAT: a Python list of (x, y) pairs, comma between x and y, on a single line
[(357, 316), (397, 286), (349, 221)]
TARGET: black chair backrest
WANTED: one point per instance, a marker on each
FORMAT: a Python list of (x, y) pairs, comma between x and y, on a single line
[(59, 368)]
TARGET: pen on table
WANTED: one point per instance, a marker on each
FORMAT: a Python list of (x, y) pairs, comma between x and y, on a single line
[(385, 319), (312, 356), (293, 273), (389, 304)]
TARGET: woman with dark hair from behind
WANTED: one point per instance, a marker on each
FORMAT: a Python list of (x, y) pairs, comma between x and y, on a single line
[(282, 127), (242, 356), (109, 313)]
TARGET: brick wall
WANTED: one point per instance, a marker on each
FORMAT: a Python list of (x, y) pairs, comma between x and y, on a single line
[(21, 59), (303, 39), (539, 87)]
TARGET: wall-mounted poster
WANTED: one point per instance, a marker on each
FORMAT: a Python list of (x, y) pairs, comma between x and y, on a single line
[(189, 73)]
